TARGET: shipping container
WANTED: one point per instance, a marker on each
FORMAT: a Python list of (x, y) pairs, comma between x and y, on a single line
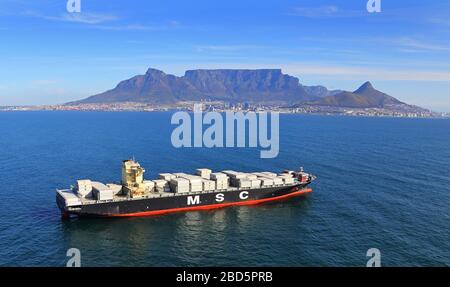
[(84, 188), (265, 181), (269, 174), (244, 183), (204, 172), (251, 176), (277, 181), (167, 176), (70, 198), (101, 192), (218, 175), (208, 185), (116, 188), (255, 183)]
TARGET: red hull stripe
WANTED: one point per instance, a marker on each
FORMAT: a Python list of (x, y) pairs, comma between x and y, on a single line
[(212, 206)]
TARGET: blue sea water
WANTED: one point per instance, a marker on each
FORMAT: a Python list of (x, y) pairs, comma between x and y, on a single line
[(382, 183)]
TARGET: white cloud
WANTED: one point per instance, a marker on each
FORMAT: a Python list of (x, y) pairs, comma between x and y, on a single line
[(313, 12), (44, 82), (97, 21), (326, 71), (85, 18), (227, 48), (416, 45), (440, 21), (366, 73), (139, 27), (326, 11), (132, 27)]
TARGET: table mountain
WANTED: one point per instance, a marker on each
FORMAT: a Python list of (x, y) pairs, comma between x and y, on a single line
[(253, 86), (263, 86)]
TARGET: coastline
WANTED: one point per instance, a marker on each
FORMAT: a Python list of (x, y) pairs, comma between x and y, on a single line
[(318, 111)]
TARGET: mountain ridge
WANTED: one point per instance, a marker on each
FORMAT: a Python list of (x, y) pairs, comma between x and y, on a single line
[(366, 96), (254, 86), (229, 85)]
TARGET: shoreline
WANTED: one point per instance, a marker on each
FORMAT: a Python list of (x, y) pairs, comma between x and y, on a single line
[(283, 112)]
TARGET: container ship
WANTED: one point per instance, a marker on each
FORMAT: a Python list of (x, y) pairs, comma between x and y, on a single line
[(174, 192)]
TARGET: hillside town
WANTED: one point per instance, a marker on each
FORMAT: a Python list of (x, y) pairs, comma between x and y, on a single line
[(393, 111)]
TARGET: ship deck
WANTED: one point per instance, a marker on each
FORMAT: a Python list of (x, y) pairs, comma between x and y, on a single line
[(67, 193)]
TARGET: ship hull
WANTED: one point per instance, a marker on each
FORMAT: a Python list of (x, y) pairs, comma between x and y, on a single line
[(182, 203)]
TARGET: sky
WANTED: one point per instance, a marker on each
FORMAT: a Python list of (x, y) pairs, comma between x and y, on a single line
[(51, 56)]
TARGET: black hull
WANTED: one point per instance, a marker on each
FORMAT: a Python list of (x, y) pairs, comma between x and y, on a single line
[(183, 202)]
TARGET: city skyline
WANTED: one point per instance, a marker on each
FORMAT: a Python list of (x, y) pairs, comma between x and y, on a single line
[(51, 56)]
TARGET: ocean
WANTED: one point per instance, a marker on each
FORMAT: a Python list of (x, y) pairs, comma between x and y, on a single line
[(382, 183)]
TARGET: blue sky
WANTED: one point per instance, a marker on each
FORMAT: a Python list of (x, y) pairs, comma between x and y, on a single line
[(50, 56)]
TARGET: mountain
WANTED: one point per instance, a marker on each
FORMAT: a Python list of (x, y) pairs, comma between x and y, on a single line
[(365, 96), (263, 86), (252, 86), (320, 91)]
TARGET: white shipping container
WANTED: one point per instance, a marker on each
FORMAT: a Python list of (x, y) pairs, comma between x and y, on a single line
[(203, 172), (116, 188), (209, 187), (218, 175), (258, 174), (70, 198), (161, 185), (193, 179), (179, 174), (269, 174), (266, 181), (208, 184), (196, 188), (251, 176), (255, 183), (99, 186), (179, 189), (244, 183), (277, 181), (105, 195), (84, 187), (101, 191), (234, 174), (230, 172), (179, 182), (167, 176)]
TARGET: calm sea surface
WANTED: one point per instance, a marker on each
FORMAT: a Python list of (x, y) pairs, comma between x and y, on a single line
[(382, 183)]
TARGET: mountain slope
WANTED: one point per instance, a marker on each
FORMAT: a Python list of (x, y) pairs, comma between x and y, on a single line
[(263, 86), (365, 96), (253, 86)]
